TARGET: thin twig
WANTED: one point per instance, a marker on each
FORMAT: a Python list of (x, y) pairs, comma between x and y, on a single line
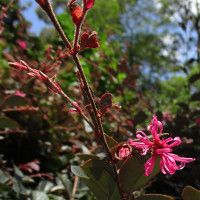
[(74, 187)]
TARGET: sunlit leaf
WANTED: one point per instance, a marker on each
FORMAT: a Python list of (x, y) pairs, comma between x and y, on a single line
[(78, 172), (19, 187), (3, 177), (66, 183), (38, 195), (45, 186)]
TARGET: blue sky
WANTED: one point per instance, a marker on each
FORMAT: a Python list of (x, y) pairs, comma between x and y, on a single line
[(31, 16)]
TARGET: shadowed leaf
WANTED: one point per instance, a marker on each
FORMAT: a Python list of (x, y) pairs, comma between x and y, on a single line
[(131, 173), (86, 157), (155, 197), (110, 141), (100, 180), (190, 193), (6, 122), (15, 100)]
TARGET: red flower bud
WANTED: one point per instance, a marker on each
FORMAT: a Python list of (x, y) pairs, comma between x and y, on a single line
[(41, 2), (88, 4), (75, 11), (18, 65)]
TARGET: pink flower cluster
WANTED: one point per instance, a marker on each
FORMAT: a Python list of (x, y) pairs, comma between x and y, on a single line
[(159, 148)]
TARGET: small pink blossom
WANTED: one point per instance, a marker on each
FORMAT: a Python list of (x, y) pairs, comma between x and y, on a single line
[(22, 44), (167, 116), (159, 148), (123, 152), (21, 94), (198, 122)]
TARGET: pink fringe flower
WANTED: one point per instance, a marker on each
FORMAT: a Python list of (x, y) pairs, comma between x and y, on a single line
[(159, 148)]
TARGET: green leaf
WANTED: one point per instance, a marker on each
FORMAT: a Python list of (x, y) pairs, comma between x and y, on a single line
[(78, 172), (131, 173), (100, 181), (66, 183), (38, 195), (3, 177), (155, 197), (45, 186), (86, 157), (15, 100), (99, 164), (121, 76), (110, 141), (19, 188), (4, 187), (27, 179), (6, 122), (190, 193), (18, 172)]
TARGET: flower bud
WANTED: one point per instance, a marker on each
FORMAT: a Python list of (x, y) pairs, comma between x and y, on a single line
[(41, 2), (88, 4), (123, 152)]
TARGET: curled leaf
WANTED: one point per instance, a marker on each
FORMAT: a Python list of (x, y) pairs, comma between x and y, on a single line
[(89, 41), (105, 102)]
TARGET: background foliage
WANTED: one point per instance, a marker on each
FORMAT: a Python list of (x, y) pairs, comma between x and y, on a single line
[(149, 60)]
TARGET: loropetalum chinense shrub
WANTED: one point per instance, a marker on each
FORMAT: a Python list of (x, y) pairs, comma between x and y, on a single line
[(124, 168)]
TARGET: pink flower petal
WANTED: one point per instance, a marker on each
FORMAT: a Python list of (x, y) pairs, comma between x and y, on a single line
[(142, 138), (176, 142), (149, 165), (21, 94), (161, 151)]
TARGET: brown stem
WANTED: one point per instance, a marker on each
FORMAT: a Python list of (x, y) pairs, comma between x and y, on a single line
[(98, 125), (50, 83), (74, 187)]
